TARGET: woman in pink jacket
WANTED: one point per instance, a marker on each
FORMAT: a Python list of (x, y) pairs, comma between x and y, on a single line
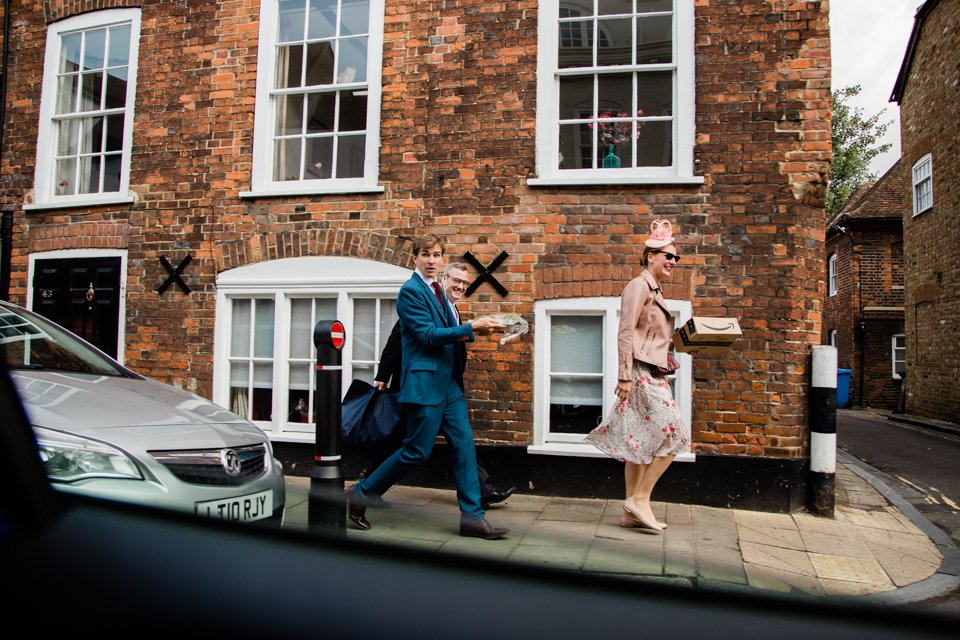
[(645, 428)]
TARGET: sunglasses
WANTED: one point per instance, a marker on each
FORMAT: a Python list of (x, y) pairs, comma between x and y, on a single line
[(669, 256)]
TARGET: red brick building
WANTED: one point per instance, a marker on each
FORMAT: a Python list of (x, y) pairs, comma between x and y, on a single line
[(291, 149), (926, 90), (863, 311)]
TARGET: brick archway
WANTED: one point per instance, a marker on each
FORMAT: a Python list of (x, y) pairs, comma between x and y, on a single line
[(78, 235), (391, 249), (54, 10)]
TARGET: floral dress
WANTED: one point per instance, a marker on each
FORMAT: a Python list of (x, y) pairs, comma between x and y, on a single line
[(647, 425)]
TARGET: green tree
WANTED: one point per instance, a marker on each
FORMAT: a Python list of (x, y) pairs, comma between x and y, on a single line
[(854, 137)]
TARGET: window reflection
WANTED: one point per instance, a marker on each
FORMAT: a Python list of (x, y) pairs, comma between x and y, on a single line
[(89, 155), (576, 373), (251, 358), (324, 48), (623, 119)]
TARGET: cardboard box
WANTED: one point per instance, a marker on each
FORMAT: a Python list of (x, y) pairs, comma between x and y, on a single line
[(705, 336)]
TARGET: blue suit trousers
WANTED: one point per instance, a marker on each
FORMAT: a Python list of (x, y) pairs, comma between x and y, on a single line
[(424, 423)]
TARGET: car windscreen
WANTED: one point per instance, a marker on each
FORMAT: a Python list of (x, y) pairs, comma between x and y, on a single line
[(28, 341)]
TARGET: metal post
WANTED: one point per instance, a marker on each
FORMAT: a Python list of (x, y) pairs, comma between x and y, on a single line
[(326, 507), (902, 399), (6, 218), (821, 485)]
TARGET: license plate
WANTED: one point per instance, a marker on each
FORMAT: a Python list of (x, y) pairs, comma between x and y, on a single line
[(242, 509)]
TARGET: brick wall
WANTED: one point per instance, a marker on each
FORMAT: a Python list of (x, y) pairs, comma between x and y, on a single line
[(841, 311), (929, 124), (458, 132), (869, 290), (881, 389)]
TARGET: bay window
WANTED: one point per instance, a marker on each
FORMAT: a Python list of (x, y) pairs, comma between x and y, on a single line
[(264, 356)]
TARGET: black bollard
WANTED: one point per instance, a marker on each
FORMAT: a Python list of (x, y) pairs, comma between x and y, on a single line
[(326, 507)]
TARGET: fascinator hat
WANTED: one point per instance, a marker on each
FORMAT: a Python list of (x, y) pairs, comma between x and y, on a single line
[(661, 234)]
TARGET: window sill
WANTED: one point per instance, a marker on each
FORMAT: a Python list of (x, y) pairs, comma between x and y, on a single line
[(585, 451), (312, 191), (76, 204), (292, 437), (612, 181)]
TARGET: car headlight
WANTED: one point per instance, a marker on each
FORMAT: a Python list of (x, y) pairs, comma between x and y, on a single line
[(68, 458)]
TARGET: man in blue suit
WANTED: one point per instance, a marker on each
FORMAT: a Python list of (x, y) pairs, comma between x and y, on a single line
[(431, 390), (387, 380)]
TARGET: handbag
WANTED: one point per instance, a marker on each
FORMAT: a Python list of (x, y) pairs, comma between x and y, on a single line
[(368, 416), (672, 365)]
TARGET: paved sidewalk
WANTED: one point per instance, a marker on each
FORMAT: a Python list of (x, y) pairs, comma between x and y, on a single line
[(874, 546)]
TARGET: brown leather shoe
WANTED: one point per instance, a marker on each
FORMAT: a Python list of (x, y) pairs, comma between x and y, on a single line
[(357, 510), (480, 528)]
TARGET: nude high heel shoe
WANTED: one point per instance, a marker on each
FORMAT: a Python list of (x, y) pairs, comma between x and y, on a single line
[(630, 519)]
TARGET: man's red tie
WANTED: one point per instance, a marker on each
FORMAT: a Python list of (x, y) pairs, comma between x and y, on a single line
[(436, 290)]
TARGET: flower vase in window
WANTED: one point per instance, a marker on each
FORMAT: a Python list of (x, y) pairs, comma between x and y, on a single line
[(611, 160), (611, 134)]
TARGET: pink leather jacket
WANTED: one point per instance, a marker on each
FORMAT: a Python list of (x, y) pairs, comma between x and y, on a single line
[(646, 330)]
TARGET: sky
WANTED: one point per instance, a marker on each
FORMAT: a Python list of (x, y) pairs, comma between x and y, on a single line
[(868, 39)]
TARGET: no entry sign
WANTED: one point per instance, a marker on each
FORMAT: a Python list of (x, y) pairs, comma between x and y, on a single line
[(337, 334)]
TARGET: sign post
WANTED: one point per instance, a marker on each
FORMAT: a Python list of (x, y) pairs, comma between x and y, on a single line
[(326, 507)]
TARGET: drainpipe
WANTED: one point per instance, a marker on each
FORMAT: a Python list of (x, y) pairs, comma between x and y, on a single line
[(6, 224)]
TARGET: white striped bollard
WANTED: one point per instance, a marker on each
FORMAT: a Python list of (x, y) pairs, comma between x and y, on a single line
[(821, 483)]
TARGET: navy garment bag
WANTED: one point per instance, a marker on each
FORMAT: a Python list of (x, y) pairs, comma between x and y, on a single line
[(367, 416)]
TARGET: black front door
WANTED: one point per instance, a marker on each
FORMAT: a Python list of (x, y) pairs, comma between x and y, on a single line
[(82, 295)]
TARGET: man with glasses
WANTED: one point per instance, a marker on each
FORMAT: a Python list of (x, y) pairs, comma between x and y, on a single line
[(455, 280), (455, 286)]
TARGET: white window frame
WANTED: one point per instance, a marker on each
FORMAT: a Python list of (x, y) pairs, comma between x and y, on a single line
[(547, 443), (345, 279), (44, 192), (684, 101), (832, 275), (262, 182), (922, 179), (893, 353)]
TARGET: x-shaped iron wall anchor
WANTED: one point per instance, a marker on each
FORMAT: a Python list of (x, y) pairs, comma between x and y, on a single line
[(174, 276), (485, 274)]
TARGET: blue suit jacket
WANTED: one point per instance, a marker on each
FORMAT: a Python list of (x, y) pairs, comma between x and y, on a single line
[(429, 337)]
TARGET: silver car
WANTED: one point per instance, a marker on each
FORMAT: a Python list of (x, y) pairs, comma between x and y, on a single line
[(108, 432)]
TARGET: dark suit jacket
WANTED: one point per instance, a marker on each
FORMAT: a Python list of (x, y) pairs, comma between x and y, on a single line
[(391, 361)]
